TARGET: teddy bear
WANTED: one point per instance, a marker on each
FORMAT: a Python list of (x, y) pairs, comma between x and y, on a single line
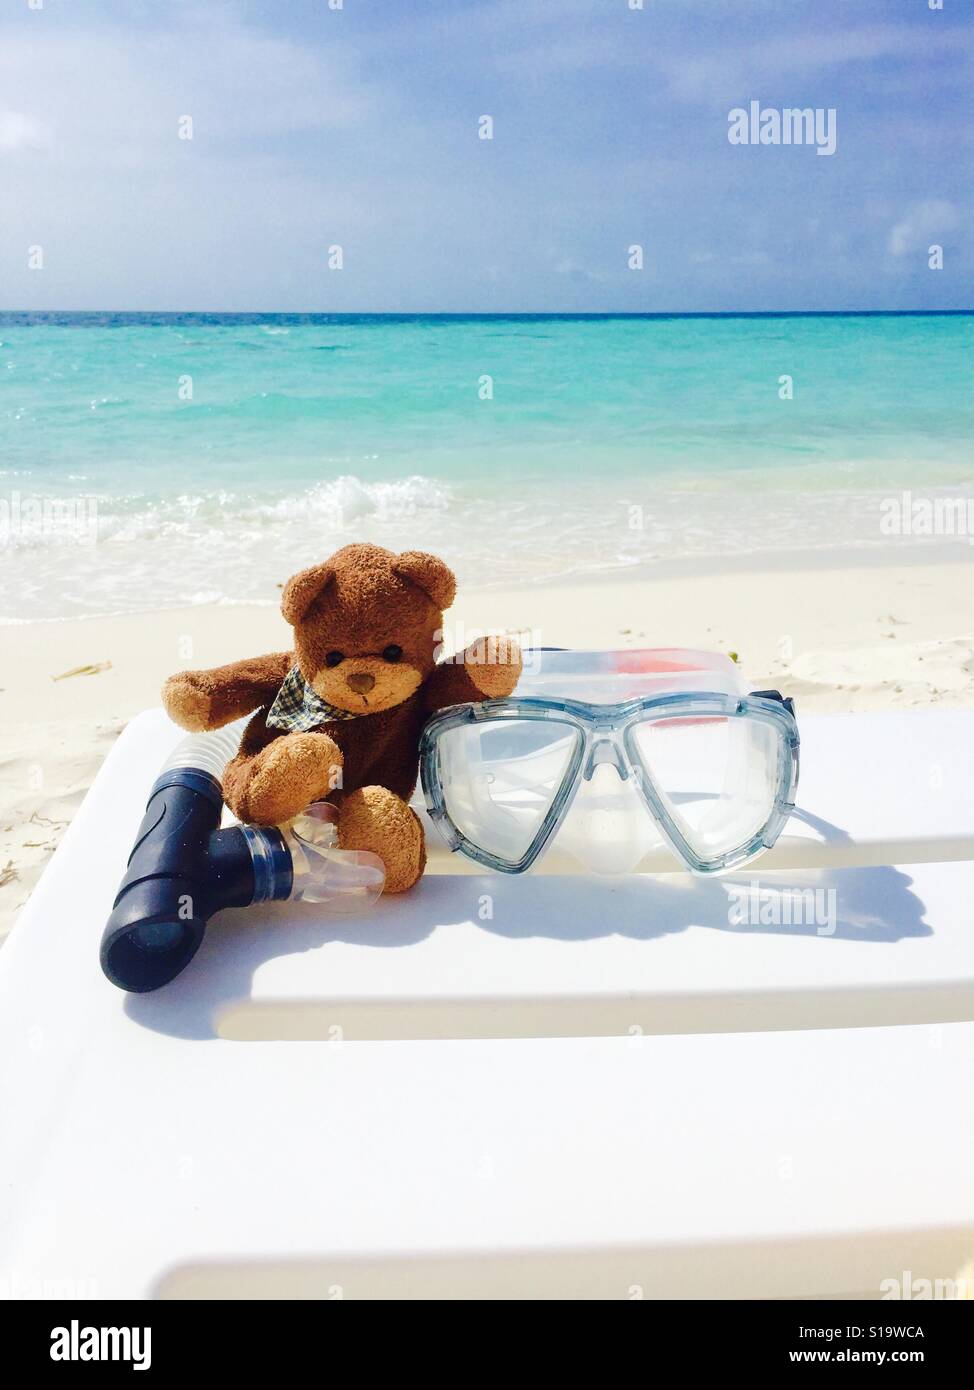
[(340, 716)]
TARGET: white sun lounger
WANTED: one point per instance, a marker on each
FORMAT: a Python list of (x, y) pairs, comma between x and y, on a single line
[(540, 1086)]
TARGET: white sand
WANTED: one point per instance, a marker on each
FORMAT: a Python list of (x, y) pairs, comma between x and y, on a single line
[(853, 637)]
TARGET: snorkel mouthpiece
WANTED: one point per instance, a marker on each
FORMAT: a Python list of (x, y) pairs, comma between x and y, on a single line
[(184, 869)]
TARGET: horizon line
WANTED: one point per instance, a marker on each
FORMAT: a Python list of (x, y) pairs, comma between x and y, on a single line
[(494, 313)]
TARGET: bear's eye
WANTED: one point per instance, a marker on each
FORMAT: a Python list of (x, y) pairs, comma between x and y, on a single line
[(392, 652), (334, 658)]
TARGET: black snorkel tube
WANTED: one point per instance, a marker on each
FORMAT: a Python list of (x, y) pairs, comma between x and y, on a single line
[(184, 868)]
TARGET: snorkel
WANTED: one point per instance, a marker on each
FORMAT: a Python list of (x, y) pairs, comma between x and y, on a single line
[(184, 868)]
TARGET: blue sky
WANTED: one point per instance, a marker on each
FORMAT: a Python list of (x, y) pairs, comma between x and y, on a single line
[(359, 127)]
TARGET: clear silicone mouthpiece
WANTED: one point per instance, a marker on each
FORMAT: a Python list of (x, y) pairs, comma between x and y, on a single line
[(343, 880)]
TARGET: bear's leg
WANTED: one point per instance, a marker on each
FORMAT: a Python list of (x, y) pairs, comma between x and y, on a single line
[(375, 818), (272, 786)]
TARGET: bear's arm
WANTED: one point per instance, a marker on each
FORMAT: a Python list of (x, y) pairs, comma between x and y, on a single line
[(198, 700), (487, 670)]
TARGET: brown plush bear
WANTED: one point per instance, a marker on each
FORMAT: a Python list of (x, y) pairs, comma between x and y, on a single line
[(341, 716)]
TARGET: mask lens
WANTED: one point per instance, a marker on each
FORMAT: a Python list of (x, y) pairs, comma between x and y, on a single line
[(717, 776), (500, 779)]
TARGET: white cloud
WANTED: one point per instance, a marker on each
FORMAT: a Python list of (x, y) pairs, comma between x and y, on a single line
[(744, 67), (128, 213), (19, 131), (921, 224), (109, 94)]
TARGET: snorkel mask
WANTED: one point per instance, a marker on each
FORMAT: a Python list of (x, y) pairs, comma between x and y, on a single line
[(636, 748)]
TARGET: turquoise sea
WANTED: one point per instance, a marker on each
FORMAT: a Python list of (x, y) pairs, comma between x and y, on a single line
[(153, 460)]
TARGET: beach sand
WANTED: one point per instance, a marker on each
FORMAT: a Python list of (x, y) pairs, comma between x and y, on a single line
[(855, 634)]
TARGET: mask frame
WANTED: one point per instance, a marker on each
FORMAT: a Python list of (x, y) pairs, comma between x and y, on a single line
[(607, 732)]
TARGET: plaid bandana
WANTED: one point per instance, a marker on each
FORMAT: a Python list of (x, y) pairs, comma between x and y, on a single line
[(297, 708)]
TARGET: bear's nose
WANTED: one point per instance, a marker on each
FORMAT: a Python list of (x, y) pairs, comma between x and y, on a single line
[(361, 682)]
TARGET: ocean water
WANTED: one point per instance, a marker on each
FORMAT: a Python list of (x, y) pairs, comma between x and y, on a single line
[(150, 461)]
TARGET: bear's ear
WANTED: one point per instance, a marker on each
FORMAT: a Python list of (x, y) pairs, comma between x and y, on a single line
[(429, 573), (302, 589)]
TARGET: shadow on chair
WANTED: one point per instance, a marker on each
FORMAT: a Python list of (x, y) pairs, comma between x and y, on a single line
[(871, 904)]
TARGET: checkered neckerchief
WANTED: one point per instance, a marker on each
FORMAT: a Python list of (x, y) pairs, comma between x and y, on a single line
[(297, 708)]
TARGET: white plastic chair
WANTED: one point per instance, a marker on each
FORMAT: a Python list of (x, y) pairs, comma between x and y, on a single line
[(548, 1086)]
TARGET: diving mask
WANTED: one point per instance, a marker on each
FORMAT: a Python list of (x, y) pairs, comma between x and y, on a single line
[(682, 757)]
